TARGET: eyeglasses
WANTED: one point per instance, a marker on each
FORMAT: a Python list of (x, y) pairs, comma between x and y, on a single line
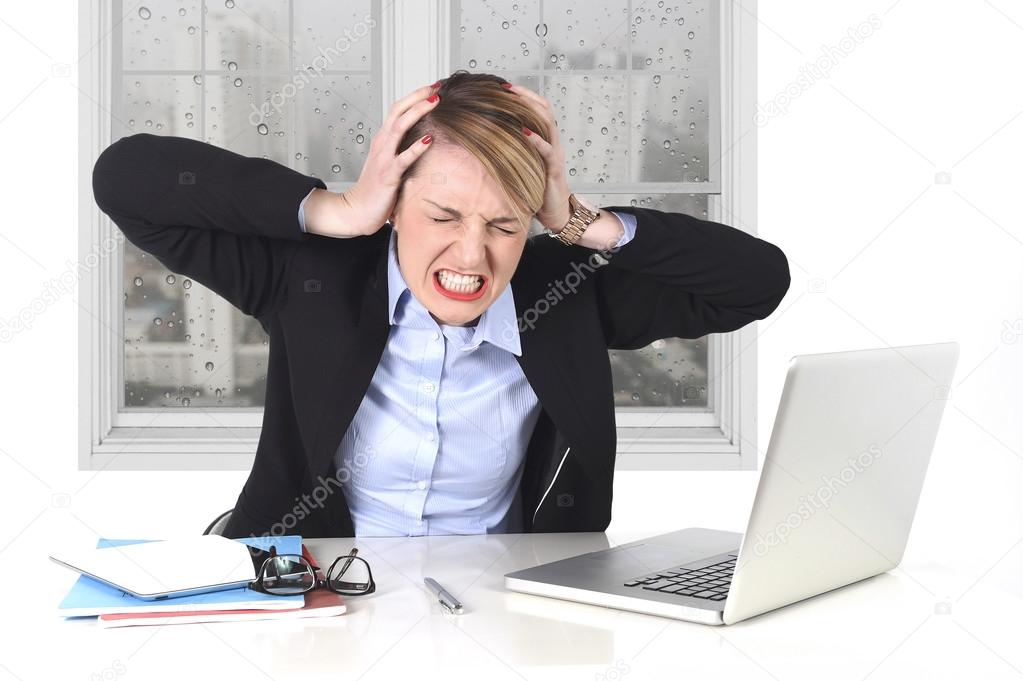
[(289, 574)]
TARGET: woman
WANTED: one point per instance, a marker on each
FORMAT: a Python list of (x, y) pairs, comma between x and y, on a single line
[(433, 367)]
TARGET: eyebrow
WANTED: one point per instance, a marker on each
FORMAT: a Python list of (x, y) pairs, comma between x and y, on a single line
[(457, 214)]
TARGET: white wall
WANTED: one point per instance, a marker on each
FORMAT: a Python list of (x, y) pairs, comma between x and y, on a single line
[(847, 189)]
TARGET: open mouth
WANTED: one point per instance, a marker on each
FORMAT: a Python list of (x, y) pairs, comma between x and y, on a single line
[(459, 286)]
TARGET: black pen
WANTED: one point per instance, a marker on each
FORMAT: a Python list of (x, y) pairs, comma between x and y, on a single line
[(450, 603)]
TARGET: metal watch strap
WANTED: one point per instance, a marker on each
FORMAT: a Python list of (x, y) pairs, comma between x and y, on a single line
[(581, 218)]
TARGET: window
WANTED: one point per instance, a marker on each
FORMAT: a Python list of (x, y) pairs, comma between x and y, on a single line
[(646, 95)]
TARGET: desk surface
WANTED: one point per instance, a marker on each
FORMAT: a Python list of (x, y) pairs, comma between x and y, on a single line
[(889, 626)]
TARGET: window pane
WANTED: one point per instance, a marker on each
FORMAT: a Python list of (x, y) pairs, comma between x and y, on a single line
[(590, 35), (670, 126), (497, 36), (161, 36), (673, 37), (245, 113), (162, 105), (185, 346), (334, 36), (590, 111), (336, 117), (647, 123), (671, 372), (247, 34)]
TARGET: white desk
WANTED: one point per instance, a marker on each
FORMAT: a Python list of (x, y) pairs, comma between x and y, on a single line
[(886, 627)]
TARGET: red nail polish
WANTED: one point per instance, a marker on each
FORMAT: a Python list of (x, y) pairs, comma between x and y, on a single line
[(506, 86), (527, 131), (432, 98), (437, 84), (427, 139)]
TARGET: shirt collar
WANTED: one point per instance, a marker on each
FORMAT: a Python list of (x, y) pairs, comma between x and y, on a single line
[(497, 324)]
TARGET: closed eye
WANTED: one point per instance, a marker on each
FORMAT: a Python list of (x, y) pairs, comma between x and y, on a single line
[(506, 231)]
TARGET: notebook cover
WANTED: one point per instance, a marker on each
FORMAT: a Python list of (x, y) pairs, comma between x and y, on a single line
[(89, 598), (318, 603)]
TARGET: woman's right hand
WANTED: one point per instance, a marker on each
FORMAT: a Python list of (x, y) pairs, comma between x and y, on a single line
[(368, 204)]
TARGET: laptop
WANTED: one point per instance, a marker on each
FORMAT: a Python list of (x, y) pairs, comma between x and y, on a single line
[(839, 487)]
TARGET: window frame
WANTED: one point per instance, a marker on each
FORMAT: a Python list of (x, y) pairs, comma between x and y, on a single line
[(721, 437)]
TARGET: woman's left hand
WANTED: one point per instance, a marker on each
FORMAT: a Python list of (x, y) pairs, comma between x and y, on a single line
[(555, 211)]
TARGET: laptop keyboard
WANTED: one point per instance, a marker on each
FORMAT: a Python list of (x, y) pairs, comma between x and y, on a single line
[(710, 582)]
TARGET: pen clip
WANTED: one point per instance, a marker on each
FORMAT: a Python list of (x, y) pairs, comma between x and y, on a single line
[(447, 601), (451, 608)]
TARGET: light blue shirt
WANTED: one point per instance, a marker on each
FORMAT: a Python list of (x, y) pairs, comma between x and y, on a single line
[(438, 444)]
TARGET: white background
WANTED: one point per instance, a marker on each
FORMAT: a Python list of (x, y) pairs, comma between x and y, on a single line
[(880, 254)]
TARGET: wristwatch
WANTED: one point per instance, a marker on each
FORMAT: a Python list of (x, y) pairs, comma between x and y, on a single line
[(581, 218)]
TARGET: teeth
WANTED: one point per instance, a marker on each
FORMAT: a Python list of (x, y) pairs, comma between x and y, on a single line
[(459, 283)]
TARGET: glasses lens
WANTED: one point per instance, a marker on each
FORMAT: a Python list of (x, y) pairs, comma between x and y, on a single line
[(353, 579), (286, 575)]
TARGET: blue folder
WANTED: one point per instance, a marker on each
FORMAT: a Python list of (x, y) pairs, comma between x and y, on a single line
[(89, 598)]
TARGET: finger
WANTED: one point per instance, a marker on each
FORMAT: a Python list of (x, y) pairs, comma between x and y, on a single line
[(415, 150), (541, 104), (539, 143), (543, 108), (392, 135), (409, 118)]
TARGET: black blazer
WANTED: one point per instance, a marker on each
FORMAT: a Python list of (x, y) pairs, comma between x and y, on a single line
[(230, 222)]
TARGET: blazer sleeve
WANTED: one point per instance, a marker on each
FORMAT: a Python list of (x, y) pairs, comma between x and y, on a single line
[(683, 277), (225, 220)]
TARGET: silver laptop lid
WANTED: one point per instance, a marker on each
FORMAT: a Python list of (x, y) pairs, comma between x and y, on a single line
[(843, 471)]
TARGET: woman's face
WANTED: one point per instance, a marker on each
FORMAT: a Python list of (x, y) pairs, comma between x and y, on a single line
[(449, 221)]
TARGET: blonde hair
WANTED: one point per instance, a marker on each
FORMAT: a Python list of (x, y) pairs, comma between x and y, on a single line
[(479, 115)]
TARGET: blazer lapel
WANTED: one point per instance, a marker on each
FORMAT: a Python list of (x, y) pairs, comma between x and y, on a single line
[(357, 368), (546, 345)]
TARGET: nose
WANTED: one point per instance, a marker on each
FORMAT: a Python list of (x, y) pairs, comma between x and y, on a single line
[(471, 250)]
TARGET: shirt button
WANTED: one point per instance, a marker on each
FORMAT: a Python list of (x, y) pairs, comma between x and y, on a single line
[(421, 485), (436, 335), (428, 387), (429, 437)]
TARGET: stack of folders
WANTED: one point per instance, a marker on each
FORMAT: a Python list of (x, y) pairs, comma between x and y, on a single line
[(114, 608)]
